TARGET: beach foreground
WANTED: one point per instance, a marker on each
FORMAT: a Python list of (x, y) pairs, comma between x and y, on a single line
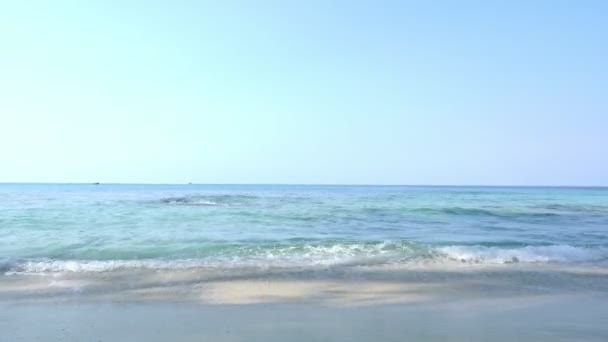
[(308, 263), (434, 303)]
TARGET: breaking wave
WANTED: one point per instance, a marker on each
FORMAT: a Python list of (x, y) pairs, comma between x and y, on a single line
[(329, 255), (527, 254)]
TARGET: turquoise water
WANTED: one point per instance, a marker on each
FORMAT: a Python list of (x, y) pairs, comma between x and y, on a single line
[(53, 227)]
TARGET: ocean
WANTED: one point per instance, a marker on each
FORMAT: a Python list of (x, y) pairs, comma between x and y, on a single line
[(46, 228)]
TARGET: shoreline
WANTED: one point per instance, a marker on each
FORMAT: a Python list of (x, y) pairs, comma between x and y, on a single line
[(347, 286)]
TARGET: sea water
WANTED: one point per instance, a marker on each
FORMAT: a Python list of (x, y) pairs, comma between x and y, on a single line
[(99, 228)]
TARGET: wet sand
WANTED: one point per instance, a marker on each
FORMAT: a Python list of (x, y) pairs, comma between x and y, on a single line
[(499, 303)]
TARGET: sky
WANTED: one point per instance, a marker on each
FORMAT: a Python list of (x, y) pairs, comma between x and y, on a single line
[(305, 92)]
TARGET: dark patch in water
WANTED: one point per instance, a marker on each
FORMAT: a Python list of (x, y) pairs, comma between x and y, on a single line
[(5, 266)]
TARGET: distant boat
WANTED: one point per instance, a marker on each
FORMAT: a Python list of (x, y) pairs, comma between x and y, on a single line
[(96, 183)]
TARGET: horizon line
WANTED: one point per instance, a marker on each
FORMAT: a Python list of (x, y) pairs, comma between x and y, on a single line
[(313, 184)]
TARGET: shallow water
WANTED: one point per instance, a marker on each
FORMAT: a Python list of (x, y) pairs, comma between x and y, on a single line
[(60, 227)]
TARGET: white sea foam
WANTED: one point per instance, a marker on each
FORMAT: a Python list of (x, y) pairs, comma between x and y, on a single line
[(46, 266), (327, 256), (529, 254), (246, 256), (209, 203)]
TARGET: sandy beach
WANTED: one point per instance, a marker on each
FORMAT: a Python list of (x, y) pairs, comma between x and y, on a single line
[(431, 303)]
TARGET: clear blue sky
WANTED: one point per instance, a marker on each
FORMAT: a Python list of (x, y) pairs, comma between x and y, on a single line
[(371, 92)]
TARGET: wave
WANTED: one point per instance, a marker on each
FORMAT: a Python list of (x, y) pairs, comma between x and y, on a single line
[(237, 256), (532, 212), (462, 211), (527, 254), (328, 255), (585, 209)]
